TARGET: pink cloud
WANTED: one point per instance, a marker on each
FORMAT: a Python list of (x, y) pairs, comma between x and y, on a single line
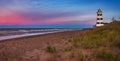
[(37, 19)]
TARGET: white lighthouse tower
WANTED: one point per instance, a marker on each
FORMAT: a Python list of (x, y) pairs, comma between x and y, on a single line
[(99, 18)]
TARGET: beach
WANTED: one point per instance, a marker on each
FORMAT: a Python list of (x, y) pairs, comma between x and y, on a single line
[(32, 47), (93, 44)]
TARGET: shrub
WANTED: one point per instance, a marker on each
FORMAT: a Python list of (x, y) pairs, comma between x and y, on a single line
[(107, 55), (68, 48), (116, 41), (92, 41), (72, 55), (76, 41), (50, 49), (81, 56)]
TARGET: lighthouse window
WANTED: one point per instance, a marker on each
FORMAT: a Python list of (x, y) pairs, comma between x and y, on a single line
[(98, 23), (97, 18), (101, 22), (101, 18)]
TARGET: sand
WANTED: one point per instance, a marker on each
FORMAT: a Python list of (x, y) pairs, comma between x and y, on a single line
[(33, 48)]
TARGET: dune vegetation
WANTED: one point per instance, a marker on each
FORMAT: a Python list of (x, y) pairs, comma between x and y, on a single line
[(104, 41)]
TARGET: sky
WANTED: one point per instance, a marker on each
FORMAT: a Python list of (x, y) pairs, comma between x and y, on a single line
[(55, 13)]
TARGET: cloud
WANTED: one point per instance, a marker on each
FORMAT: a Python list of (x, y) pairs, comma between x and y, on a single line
[(6, 2), (37, 16)]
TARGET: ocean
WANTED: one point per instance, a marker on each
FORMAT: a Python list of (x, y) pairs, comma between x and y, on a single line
[(22, 32)]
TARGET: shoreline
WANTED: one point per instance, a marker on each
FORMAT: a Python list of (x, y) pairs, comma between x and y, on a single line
[(2, 38), (39, 35)]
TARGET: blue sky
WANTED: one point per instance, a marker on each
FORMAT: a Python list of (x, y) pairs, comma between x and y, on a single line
[(55, 13)]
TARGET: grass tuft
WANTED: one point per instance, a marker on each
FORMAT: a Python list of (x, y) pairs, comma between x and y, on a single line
[(106, 55), (81, 56), (50, 49), (72, 55)]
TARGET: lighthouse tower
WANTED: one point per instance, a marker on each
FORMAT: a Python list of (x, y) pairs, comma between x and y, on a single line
[(99, 18)]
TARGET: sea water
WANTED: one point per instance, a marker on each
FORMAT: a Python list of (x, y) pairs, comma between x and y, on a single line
[(19, 33)]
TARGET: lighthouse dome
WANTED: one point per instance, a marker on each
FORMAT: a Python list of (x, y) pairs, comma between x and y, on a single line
[(99, 10)]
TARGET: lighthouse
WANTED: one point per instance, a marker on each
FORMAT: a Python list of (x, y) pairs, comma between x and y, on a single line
[(99, 21)]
